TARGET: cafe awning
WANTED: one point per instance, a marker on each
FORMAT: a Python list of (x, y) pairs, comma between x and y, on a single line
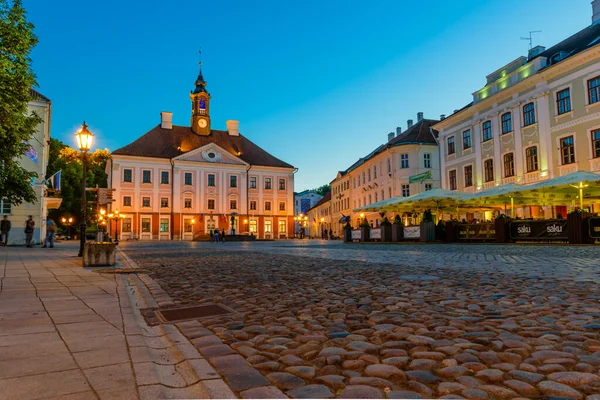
[(581, 186)]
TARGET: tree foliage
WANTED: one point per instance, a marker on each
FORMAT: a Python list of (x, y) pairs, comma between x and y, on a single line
[(16, 79), (69, 161), (323, 190)]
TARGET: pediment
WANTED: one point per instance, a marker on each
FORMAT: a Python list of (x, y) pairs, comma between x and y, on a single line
[(211, 153)]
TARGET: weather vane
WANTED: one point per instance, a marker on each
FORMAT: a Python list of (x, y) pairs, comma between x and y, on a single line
[(200, 52)]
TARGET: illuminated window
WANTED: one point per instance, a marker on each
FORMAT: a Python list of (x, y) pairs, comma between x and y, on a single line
[(188, 227), (488, 167), (164, 224), (282, 227), (145, 224), (506, 123), (531, 158), (126, 227), (509, 165), (487, 130), (253, 226), (452, 179), (567, 150), (528, 114), (268, 227), (563, 101)]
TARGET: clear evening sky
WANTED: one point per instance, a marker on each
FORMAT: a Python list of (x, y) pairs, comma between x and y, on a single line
[(316, 83)]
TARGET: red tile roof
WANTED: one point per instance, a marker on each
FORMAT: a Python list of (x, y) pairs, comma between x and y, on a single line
[(170, 143), (323, 200)]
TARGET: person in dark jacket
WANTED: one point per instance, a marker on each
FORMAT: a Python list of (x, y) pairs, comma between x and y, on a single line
[(223, 235), (29, 228), (4, 229)]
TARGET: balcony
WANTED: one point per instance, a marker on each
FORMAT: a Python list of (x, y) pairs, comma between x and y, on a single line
[(595, 164), (52, 199), (568, 169), (489, 185), (531, 177), (510, 179)]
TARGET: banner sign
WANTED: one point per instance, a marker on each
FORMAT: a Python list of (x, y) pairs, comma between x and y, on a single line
[(595, 227), (476, 231), (356, 234), (412, 232), (375, 233), (555, 229), (419, 177)]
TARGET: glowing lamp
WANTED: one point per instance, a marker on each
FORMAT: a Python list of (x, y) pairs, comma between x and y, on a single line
[(84, 138)]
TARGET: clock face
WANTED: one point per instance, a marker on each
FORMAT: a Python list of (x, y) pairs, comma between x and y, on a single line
[(202, 123)]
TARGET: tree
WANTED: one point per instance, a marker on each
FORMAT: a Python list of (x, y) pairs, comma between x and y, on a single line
[(16, 79), (68, 160), (323, 190)]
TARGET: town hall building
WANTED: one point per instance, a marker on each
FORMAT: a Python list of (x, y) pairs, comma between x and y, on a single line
[(181, 182)]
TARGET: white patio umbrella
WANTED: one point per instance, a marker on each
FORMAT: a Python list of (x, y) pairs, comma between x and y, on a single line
[(567, 187)]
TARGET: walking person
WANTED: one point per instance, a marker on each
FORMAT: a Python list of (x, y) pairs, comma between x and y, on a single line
[(29, 228), (216, 236), (50, 232), (4, 229)]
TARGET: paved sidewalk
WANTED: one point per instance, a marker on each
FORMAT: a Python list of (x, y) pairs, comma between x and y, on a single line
[(71, 333)]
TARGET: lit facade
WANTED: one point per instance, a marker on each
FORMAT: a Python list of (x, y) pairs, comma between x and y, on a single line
[(538, 117), (36, 160), (181, 182), (320, 217)]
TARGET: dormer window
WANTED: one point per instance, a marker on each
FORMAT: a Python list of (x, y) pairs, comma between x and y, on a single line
[(558, 57)]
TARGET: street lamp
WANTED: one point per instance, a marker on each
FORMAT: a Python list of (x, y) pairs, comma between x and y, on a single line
[(68, 223), (84, 141), (322, 221)]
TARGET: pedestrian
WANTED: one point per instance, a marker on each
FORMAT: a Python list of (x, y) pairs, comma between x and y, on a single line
[(216, 236), (50, 232), (223, 235), (324, 236), (4, 229), (29, 228)]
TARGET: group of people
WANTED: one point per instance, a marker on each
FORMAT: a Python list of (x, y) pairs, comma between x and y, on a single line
[(6, 226), (217, 236)]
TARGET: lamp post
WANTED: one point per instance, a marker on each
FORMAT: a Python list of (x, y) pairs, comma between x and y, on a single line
[(84, 142), (116, 216), (68, 223), (322, 234)]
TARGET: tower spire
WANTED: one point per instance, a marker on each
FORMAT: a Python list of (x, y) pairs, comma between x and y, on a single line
[(200, 84)]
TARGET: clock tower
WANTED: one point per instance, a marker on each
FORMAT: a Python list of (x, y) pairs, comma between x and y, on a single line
[(200, 121)]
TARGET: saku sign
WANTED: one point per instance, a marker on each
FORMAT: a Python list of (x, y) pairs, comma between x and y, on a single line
[(543, 230)]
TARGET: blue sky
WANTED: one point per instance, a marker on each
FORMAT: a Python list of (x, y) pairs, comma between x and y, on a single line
[(316, 83)]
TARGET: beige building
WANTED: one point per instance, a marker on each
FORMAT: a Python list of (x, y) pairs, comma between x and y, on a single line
[(536, 118), (386, 172), (320, 217), (35, 160), (182, 182)]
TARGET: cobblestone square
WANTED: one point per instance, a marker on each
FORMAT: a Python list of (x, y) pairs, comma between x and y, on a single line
[(324, 319)]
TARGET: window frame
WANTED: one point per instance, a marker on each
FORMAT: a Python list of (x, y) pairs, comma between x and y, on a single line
[(164, 202), (163, 175), (563, 105), (3, 207), (488, 170), (404, 164), (508, 161), (126, 201), (161, 225), (486, 128), (211, 202), (468, 178), (468, 131), (211, 180), (126, 225), (282, 184), (130, 175), (405, 190), (593, 92), (233, 204), (452, 180), (146, 222), (451, 146), (268, 205), (507, 125), (185, 203), (252, 205), (282, 203), (144, 202), (595, 143), (426, 160), (252, 183), (233, 181), (185, 179), (268, 185), (282, 226), (531, 160), (571, 154), (144, 181), (529, 115)]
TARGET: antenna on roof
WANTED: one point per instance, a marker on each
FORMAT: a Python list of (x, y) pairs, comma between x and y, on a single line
[(530, 38)]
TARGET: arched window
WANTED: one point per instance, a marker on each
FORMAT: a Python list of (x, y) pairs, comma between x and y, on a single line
[(528, 114), (487, 130)]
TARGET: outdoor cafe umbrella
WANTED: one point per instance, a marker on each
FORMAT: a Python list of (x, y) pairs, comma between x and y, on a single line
[(438, 198), (499, 195), (567, 188)]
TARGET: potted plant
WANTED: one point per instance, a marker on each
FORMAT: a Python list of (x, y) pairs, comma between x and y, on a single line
[(386, 230), (440, 231), (347, 232), (397, 229), (365, 230), (451, 229), (501, 226), (427, 227)]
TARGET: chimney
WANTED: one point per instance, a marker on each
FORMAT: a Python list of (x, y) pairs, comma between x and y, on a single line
[(390, 136), (419, 116), (398, 131), (409, 123), (166, 120), (535, 51), (232, 127), (442, 117), (595, 12)]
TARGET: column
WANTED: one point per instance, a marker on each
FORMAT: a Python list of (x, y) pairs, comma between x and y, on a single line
[(476, 138), (498, 170), (546, 155), (516, 118)]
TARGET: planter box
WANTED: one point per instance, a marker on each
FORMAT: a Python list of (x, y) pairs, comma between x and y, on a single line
[(365, 234), (375, 234), (386, 233), (347, 235), (451, 228), (96, 254), (397, 232), (356, 235), (501, 225), (412, 232), (427, 233)]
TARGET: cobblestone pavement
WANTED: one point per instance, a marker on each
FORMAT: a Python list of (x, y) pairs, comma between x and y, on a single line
[(324, 319)]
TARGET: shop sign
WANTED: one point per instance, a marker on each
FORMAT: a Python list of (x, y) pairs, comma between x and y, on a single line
[(476, 232), (543, 230), (595, 227), (356, 234), (375, 233), (412, 232)]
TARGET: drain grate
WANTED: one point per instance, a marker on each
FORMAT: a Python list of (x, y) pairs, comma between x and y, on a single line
[(195, 312)]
